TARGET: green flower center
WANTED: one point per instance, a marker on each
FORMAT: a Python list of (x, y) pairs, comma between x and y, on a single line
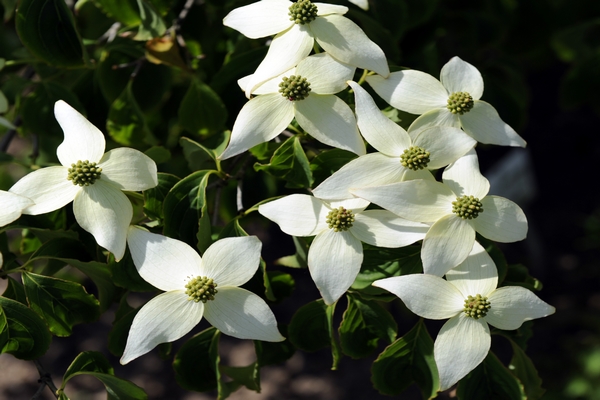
[(460, 103), (294, 88), (303, 12), (84, 173), (467, 207), (477, 307), (415, 158), (340, 219), (201, 289)]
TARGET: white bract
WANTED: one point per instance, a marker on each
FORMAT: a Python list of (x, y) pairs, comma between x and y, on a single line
[(452, 102), (464, 341), (458, 208), (196, 287), (317, 110), (91, 179), (337, 35), (12, 206), (432, 148), (336, 253)]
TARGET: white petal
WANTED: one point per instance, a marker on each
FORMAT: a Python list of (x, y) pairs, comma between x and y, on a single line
[(418, 200), (334, 259), (461, 345), (446, 144), (48, 188), (385, 229), (513, 305), (412, 91), (460, 76), (325, 74), (329, 120), (165, 318), (364, 4), (232, 261), (344, 40), (484, 124), (411, 175), (128, 169), (12, 205), (501, 220), (476, 275), (355, 204), (165, 263), (260, 19), (465, 179), (325, 9), (447, 244), (381, 132), (105, 212), (436, 117), (260, 120), (83, 141), (297, 214), (242, 314), (427, 296)]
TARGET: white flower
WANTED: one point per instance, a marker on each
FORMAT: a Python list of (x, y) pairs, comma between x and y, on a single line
[(318, 111), (337, 35), (458, 208), (12, 206), (196, 287), (91, 179), (419, 93), (336, 253), (364, 4), (464, 341), (431, 148)]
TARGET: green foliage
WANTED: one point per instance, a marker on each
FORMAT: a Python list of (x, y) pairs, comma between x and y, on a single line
[(289, 162), (201, 111), (490, 380), (197, 362)]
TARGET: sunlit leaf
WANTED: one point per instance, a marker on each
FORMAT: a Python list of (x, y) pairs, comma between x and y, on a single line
[(28, 335), (201, 111), (289, 162)]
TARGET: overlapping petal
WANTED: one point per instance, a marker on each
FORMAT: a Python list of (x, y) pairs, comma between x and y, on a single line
[(260, 19), (232, 261), (297, 214), (436, 117), (446, 144), (83, 141), (12, 205), (325, 74), (326, 9), (513, 305), (465, 179), (476, 275), (460, 76), (385, 229), (128, 169), (484, 124), (501, 220)]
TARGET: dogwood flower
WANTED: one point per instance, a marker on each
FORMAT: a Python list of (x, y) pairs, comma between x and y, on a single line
[(297, 26), (336, 253), (400, 158), (455, 101), (12, 205), (306, 93), (458, 208), (469, 297), (196, 287), (91, 179)]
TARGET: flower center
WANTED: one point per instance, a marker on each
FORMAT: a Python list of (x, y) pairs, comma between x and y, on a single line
[(201, 289), (340, 219), (294, 88), (460, 103), (415, 158), (303, 12), (84, 173), (477, 307), (467, 207)]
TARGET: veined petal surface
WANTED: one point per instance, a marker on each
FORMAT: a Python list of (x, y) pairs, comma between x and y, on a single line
[(501, 220), (12, 205), (465, 179), (297, 214), (385, 229), (260, 19), (435, 117), (83, 141), (460, 76), (484, 124), (128, 169), (513, 305), (325, 74), (447, 243), (232, 261), (476, 275), (446, 144), (326, 9)]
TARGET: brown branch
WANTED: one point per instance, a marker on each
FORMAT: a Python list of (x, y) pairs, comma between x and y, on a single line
[(45, 380)]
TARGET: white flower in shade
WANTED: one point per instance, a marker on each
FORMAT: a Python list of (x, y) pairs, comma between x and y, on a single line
[(91, 179), (297, 26), (452, 102), (471, 301), (306, 93), (364, 4), (399, 157), (458, 208), (196, 287), (336, 253), (12, 205)]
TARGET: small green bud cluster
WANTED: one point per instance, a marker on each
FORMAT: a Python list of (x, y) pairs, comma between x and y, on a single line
[(477, 307), (84, 173), (340, 219), (415, 158), (460, 103), (303, 12), (467, 207), (294, 88), (201, 289)]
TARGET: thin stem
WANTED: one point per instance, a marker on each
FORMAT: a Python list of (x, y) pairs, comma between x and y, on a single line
[(45, 379), (363, 76), (10, 135)]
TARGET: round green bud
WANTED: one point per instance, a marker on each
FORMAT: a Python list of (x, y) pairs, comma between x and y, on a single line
[(294, 88), (84, 173), (340, 219), (467, 207), (201, 289), (303, 12), (415, 158), (460, 103), (477, 307)]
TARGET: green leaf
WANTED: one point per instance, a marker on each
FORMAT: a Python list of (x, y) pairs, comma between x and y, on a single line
[(28, 335), (152, 24), (270, 353), (47, 29), (522, 367), (124, 11), (298, 260), (364, 323), (409, 359), (198, 156), (15, 291), (518, 275), (282, 284), (289, 162), (126, 123), (125, 275), (60, 248), (116, 388), (61, 303), (87, 361), (329, 161), (309, 330), (117, 337), (196, 363), (201, 111), (154, 198), (101, 275), (9, 8), (248, 376), (158, 154)]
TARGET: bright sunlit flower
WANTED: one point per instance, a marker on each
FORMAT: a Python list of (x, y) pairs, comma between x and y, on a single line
[(12, 205), (470, 298), (452, 102), (91, 179), (196, 287), (336, 253), (297, 26)]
